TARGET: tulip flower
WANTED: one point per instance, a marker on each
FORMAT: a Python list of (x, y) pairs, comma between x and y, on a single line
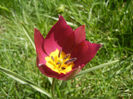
[(64, 51)]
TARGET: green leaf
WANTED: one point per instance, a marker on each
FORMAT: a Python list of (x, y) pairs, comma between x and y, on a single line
[(27, 35), (4, 8), (96, 67), (50, 80), (54, 18), (22, 80)]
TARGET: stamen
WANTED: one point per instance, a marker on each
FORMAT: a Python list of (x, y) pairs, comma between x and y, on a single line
[(63, 68), (60, 53), (58, 63), (52, 58), (52, 63), (67, 55), (70, 61)]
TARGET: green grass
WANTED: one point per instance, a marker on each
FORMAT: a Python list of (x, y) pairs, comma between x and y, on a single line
[(109, 22)]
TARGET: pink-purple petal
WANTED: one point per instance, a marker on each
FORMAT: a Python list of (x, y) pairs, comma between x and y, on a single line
[(38, 39), (84, 52), (50, 44), (79, 34), (63, 34)]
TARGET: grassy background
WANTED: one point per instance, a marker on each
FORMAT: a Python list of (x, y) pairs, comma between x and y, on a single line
[(107, 21)]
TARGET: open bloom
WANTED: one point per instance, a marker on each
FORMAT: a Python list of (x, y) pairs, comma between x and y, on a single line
[(64, 52)]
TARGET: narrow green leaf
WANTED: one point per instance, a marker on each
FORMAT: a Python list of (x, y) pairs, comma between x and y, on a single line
[(4, 8), (22, 80), (54, 18), (96, 67), (50, 80), (27, 35)]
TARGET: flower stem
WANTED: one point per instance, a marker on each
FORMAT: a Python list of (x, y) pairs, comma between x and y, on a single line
[(52, 88)]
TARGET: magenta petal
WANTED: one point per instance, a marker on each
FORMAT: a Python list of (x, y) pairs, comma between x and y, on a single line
[(84, 52), (63, 34), (50, 44), (60, 26), (79, 34), (38, 39)]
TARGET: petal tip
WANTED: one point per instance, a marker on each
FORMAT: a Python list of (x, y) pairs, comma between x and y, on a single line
[(60, 16), (35, 29), (100, 45), (83, 26), (61, 19)]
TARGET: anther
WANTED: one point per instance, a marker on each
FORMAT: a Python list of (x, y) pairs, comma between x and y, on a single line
[(58, 63), (63, 68), (52, 58), (67, 55), (71, 60), (60, 53)]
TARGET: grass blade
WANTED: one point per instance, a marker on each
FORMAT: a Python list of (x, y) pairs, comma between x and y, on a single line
[(27, 35), (4, 8), (54, 18), (22, 80), (96, 67)]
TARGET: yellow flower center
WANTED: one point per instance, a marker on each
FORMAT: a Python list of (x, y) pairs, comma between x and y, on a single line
[(60, 62)]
